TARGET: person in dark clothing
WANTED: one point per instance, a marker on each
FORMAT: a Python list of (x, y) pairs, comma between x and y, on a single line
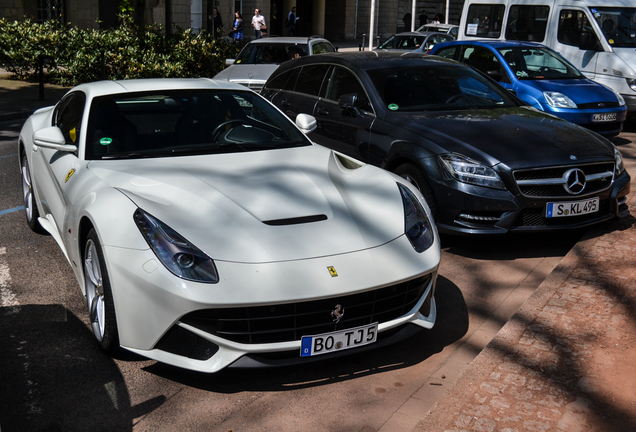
[(423, 18), (238, 27), (217, 23), (291, 21)]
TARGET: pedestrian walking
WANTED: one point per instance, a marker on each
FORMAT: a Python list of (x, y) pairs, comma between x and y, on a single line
[(258, 22), (291, 22), (237, 29)]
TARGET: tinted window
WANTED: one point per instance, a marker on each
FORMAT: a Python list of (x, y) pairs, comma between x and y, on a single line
[(481, 59), (261, 53), (484, 20), (403, 42), (311, 78), (527, 23), (571, 24), (321, 48), (284, 81), (343, 82), (173, 123), (448, 52), (437, 87), (68, 116)]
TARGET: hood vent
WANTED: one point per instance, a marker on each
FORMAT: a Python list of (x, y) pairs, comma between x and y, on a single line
[(296, 220)]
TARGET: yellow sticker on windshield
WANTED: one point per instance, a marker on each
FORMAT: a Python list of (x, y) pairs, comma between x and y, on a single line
[(73, 134)]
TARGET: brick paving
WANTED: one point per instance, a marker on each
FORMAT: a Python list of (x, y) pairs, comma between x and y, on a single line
[(567, 360)]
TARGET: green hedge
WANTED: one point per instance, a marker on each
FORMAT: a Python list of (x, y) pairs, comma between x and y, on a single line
[(80, 55)]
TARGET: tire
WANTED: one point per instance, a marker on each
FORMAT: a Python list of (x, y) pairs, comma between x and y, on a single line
[(99, 297), (414, 176), (30, 206)]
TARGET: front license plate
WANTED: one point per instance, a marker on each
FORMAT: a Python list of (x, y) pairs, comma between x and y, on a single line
[(338, 340), (572, 208), (605, 117)]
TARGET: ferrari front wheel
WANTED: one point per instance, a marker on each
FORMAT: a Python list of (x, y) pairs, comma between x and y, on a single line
[(99, 297)]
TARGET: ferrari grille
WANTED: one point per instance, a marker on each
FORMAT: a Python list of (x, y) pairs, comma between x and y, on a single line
[(288, 322)]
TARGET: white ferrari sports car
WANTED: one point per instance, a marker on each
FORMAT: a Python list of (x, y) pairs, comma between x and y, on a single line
[(206, 230)]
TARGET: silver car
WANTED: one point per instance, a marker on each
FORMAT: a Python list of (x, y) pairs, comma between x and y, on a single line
[(420, 42), (450, 29), (260, 58)]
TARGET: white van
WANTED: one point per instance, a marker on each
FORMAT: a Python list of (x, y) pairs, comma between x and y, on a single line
[(596, 36)]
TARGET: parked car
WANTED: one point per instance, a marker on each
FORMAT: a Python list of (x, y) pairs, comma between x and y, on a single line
[(451, 29), (260, 57), (485, 161), (414, 41), (206, 230), (543, 79)]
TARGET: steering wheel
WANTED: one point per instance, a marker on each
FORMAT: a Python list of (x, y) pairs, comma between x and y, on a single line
[(455, 98), (219, 129)]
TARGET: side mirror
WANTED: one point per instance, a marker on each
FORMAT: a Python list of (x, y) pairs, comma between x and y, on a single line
[(494, 74), (306, 123), (52, 137), (513, 91), (229, 62), (347, 103)]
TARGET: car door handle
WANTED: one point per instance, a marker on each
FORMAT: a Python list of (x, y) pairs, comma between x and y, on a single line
[(285, 103), (322, 111)]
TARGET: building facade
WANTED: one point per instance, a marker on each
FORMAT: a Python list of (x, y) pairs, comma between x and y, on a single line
[(337, 20)]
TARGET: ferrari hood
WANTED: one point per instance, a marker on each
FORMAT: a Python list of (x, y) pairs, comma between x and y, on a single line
[(264, 206), (518, 137)]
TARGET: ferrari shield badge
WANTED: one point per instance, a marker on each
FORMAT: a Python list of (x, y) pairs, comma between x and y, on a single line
[(68, 176), (332, 271)]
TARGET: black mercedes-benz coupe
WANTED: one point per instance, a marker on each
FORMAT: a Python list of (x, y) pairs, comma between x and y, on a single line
[(485, 161)]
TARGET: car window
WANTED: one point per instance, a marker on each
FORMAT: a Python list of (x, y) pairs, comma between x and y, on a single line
[(311, 79), (480, 58), (437, 87), (448, 52), (403, 42), (618, 24), (571, 24), (527, 23), (68, 116), (185, 122), (436, 39), (538, 63), (321, 48), (284, 81), (269, 53), (343, 82), (484, 20)]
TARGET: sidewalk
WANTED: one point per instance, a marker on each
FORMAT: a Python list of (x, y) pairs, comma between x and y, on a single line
[(566, 361)]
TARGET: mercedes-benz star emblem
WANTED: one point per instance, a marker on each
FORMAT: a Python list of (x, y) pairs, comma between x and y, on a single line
[(574, 181), (337, 313)]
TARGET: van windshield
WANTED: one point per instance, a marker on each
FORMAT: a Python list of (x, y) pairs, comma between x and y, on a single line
[(538, 63), (618, 25)]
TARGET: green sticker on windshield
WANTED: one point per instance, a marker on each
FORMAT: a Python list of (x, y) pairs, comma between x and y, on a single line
[(106, 141), (393, 107)]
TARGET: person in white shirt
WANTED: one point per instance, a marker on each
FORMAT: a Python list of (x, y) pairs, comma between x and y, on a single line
[(258, 22)]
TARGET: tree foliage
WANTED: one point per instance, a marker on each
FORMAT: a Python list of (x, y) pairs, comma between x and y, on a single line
[(82, 55)]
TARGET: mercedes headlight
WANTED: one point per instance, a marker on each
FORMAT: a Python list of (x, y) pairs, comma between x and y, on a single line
[(468, 171), (619, 163), (417, 227), (558, 100), (179, 256), (631, 82)]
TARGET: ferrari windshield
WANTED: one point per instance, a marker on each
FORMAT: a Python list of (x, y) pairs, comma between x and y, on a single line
[(538, 63), (436, 88), (618, 25), (185, 122)]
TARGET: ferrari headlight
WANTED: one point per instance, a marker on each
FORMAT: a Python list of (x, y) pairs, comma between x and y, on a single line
[(558, 100), (417, 227), (176, 253), (619, 163), (468, 171)]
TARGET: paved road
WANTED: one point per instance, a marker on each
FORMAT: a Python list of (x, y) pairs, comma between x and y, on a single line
[(54, 377)]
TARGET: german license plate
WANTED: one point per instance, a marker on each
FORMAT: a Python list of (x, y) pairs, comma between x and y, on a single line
[(572, 208), (338, 340), (605, 117)]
